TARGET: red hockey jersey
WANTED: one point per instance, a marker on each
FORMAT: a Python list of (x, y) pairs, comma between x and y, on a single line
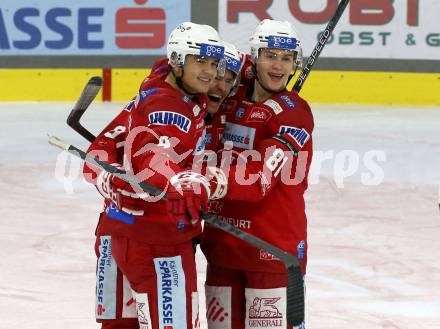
[(271, 205), (161, 131)]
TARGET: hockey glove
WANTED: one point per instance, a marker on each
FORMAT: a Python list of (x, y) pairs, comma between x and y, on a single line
[(121, 194), (189, 192), (188, 195)]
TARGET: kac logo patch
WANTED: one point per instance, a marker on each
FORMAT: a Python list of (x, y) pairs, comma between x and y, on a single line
[(239, 114)]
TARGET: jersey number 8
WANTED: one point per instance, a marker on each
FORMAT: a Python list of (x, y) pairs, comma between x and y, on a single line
[(276, 161)]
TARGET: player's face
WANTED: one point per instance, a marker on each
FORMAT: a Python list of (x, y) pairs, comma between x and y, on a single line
[(274, 67), (219, 90), (199, 73)]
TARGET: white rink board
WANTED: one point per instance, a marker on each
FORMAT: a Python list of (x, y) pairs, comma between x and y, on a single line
[(373, 260), (388, 39)]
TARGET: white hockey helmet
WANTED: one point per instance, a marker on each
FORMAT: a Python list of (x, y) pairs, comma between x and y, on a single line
[(193, 39), (233, 58), (275, 34)]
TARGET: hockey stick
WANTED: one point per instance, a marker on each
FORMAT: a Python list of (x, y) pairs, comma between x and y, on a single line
[(320, 45), (295, 288), (88, 94)]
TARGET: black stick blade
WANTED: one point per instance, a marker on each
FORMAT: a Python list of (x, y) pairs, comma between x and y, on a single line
[(87, 96)]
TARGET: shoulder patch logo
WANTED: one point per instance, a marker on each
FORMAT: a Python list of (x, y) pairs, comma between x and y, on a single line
[(143, 95), (186, 99), (275, 106), (300, 135), (167, 118), (130, 105), (290, 103)]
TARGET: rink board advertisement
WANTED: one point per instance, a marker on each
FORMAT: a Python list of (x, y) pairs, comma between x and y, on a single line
[(89, 27), (404, 29)]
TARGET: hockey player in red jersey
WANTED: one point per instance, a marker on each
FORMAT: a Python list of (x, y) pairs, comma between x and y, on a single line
[(264, 196), (153, 250), (222, 88), (115, 307), (114, 304)]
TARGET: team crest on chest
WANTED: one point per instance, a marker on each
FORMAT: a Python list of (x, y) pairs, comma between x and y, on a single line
[(239, 113)]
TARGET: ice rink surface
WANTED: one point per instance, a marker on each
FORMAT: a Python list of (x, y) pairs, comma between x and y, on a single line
[(374, 236)]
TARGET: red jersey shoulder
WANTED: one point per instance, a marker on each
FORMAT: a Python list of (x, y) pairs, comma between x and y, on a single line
[(293, 116), (160, 66), (288, 104), (158, 74), (290, 100), (295, 110), (168, 107)]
